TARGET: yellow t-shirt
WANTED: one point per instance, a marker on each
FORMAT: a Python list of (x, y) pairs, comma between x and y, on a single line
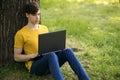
[(27, 39)]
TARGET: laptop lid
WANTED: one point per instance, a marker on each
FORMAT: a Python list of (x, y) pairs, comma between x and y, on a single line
[(52, 41)]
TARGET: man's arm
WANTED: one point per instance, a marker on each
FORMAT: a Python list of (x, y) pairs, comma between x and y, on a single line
[(19, 57)]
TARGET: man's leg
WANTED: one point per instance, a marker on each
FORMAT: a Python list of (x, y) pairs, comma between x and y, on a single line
[(47, 63), (68, 55)]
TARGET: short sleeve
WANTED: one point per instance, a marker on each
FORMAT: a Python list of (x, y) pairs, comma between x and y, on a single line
[(18, 40)]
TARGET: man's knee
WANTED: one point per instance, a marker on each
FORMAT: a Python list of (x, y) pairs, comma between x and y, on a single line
[(68, 50), (52, 55)]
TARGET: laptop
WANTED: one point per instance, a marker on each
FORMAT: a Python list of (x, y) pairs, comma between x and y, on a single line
[(51, 42)]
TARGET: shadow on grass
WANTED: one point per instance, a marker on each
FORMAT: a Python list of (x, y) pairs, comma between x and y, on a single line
[(17, 71)]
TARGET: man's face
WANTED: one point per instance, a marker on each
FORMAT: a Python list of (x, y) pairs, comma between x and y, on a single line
[(33, 18)]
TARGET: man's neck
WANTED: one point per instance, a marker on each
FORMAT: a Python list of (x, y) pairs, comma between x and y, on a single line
[(32, 26)]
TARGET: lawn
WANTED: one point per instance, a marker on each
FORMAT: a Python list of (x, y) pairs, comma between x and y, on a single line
[(92, 26)]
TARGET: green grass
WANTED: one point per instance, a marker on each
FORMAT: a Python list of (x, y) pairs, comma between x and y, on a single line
[(92, 25)]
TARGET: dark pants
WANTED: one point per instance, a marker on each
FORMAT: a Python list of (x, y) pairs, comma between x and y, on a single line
[(52, 62)]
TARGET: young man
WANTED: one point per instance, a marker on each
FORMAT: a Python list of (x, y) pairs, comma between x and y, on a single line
[(27, 39)]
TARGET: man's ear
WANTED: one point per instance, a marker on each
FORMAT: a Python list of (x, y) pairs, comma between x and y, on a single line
[(27, 15)]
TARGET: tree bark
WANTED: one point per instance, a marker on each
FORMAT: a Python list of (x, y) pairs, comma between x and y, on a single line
[(10, 22)]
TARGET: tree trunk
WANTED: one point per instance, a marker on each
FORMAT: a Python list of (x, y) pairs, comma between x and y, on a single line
[(9, 24)]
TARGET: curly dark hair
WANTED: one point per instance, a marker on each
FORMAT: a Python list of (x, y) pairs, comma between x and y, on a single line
[(31, 8)]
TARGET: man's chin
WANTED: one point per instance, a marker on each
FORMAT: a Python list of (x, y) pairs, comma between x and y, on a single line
[(36, 23)]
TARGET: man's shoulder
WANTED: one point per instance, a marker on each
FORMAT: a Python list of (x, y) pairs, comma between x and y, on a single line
[(42, 26), (21, 31)]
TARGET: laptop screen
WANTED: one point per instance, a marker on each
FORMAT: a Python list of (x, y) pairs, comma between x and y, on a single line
[(52, 41)]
